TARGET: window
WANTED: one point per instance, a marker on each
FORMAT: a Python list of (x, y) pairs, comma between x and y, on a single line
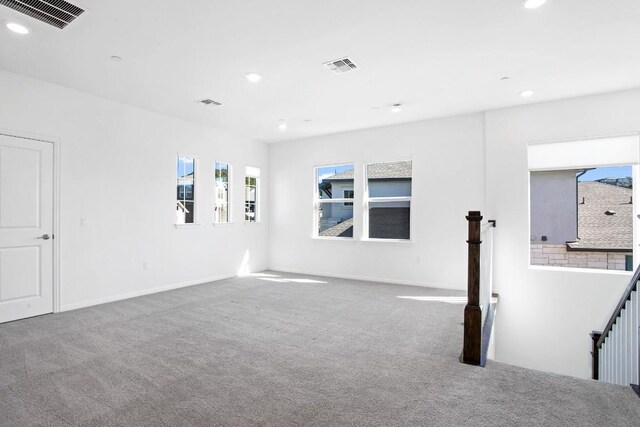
[(582, 218), (388, 201), (334, 201), (581, 202), (348, 194), (185, 205), (252, 194), (222, 213)]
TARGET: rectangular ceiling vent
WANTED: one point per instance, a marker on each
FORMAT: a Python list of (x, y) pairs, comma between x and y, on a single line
[(340, 66), (58, 13), (208, 101)]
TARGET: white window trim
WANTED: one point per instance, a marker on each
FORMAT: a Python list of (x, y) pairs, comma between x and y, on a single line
[(317, 201), (258, 195), (367, 200), (196, 183), (230, 199)]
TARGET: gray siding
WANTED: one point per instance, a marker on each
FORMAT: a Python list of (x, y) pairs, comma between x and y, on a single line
[(554, 207)]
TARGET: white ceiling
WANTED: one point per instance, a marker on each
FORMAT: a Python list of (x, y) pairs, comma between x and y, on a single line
[(436, 57)]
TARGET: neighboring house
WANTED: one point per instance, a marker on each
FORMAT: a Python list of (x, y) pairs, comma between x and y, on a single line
[(580, 224), (184, 205), (384, 180)]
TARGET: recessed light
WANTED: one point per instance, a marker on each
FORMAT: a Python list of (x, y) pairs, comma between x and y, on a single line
[(17, 28), (308, 120), (116, 58), (282, 126), (505, 78), (253, 77), (533, 4), (526, 93), (396, 108)]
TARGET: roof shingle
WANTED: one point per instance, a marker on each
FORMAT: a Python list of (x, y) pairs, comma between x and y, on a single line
[(390, 170), (597, 230)]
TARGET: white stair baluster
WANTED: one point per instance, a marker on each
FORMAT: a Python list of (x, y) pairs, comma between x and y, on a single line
[(618, 361), (628, 341), (635, 342), (605, 348), (623, 346)]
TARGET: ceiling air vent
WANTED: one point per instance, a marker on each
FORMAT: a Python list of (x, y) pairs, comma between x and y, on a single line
[(58, 13), (208, 101), (340, 66)]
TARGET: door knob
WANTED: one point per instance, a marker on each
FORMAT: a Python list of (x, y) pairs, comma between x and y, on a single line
[(44, 237)]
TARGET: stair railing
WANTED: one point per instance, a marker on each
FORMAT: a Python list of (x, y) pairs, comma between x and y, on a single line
[(616, 349), (478, 313)]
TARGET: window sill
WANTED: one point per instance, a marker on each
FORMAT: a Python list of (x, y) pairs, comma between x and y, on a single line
[(400, 241), (193, 225), (252, 222), (334, 239), (222, 224), (580, 270)]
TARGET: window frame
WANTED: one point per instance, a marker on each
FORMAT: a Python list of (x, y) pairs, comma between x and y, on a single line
[(196, 188), (317, 202), (367, 200), (230, 209), (635, 174), (258, 207)]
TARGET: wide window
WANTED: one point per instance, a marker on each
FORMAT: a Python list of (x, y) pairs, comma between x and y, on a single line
[(252, 194), (388, 201), (222, 213), (186, 186), (582, 202), (582, 218), (334, 201)]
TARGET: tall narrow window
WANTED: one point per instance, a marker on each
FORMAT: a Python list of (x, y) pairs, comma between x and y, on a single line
[(222, 212), (388, 201), (186, 185), (334, 201), (251, 194)]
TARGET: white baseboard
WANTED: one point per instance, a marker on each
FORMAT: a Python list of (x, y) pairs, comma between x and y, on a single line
[(83, 304), (371, 279)]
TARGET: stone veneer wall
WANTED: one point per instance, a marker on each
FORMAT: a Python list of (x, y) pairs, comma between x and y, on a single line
[(557, 256)]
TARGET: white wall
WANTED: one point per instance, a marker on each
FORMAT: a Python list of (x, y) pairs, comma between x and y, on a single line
[(118, 171), (448, 181), (545, 315)]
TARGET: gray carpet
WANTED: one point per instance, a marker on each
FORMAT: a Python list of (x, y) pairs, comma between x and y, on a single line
[(272, 351)]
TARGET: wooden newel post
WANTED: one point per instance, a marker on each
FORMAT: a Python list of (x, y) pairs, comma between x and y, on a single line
[(595, 354), (472, 312)]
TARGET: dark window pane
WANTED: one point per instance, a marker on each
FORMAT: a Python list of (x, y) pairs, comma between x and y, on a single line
[(390, 220), (188, 191), (188, 219)]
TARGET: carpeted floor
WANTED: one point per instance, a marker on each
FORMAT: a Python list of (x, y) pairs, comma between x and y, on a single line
[(280, 350)]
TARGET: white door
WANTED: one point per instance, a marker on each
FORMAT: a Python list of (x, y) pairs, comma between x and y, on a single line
[(26, 228)]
